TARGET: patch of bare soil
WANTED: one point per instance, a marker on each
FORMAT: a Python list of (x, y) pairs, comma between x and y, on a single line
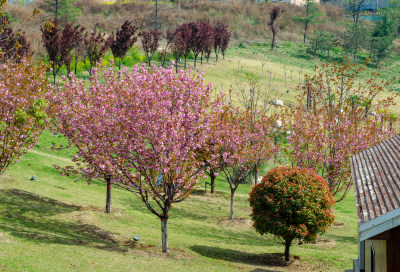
[(237, 223), (338, 224), (324, 243), (97, 209), (201, 192), (4, 239), (4, 178)]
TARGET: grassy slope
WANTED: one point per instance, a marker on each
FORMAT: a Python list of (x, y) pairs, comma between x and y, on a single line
[(54, 224)]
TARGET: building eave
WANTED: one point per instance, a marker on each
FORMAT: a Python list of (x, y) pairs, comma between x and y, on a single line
[(379, 224)]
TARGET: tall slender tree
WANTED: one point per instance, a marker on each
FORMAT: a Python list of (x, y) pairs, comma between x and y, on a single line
[(96, 45), (221, 38), (150, 42), (354, 7), (59, 44), (274, 15), (123, 41), (311, 16), (63, 11)]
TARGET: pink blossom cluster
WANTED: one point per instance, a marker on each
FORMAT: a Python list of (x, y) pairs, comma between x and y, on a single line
[(142, 128)]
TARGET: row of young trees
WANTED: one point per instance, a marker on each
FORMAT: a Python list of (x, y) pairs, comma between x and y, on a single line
[(67, 44)]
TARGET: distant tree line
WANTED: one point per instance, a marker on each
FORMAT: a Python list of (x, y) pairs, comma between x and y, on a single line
[(67, 44)]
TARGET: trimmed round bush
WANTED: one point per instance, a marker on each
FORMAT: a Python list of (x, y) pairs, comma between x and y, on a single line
[(291, 203)]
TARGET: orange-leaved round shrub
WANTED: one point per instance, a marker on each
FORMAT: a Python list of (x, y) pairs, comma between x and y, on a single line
[(291, 203)]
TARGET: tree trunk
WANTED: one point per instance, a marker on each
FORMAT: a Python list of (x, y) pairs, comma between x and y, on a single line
[(156, 17), (287, 250), (256, 176), (164, 234), (212, 184), (201, 59), (108, 199), (273, 38), (76, 66), (176, 66), (165, 56), (56, 10), (232, 204)]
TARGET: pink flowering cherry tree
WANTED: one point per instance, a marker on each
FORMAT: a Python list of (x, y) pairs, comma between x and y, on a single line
[(335, 119), (242, 141), (142, 128)]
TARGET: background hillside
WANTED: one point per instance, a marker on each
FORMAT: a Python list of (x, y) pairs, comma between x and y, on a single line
[(246, 20)]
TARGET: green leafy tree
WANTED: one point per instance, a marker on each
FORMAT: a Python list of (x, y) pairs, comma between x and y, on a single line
[(381, 42), (329, 41), (354, 8), (312, 16), (321, 41), (354, 39), (291, 203), (63, 10)]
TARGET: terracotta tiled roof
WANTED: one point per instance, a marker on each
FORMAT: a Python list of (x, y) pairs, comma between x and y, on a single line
[(376, 176)]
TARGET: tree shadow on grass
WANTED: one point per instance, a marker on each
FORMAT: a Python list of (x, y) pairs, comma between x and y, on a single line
[(230, 255), (29, 216)]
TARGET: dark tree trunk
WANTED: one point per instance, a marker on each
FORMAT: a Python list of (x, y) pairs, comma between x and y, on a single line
[(273, 30), (232, 204), (195, 59), (56, 10), (164, 234), (256, 176), (76, 66), (54, 76), (212, 184), (108, 199), (201, 59), (287, 250), (176, 66)]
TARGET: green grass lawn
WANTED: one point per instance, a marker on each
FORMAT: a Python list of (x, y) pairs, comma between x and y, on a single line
[(56, 224)]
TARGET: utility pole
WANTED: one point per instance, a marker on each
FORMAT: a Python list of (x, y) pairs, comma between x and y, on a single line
[(56, 10), (156, 17)]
